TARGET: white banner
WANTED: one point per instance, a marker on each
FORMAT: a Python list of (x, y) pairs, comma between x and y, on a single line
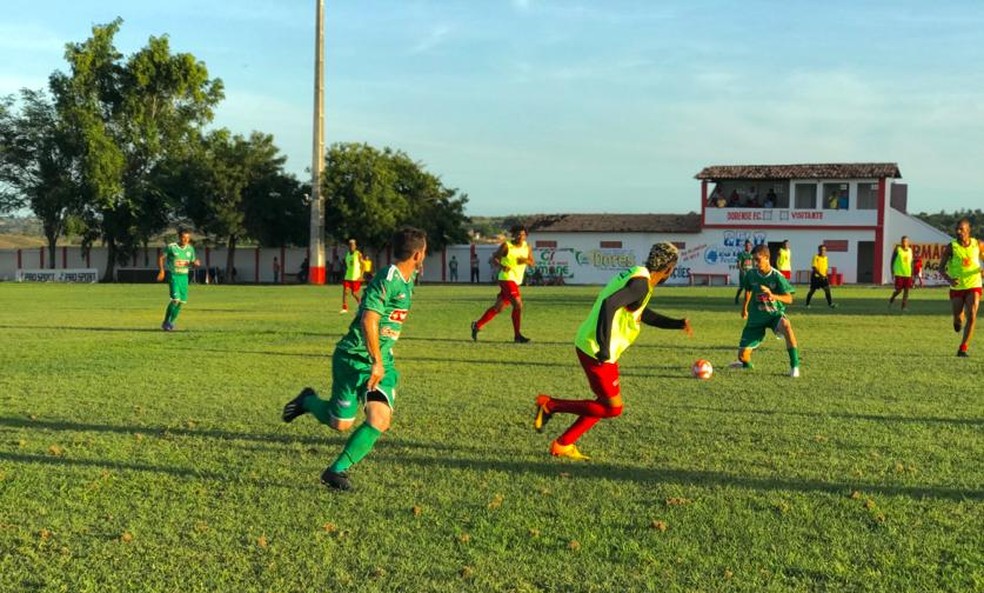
[(70, 275)]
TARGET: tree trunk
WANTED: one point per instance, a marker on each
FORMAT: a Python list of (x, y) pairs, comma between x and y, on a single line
[(230, 271), (52, 240), (110, 261)]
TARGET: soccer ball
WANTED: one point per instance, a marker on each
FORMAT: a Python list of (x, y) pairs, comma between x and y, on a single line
[(702, 369)]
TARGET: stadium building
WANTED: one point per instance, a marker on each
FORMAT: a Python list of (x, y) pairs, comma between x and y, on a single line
[(858, 211)]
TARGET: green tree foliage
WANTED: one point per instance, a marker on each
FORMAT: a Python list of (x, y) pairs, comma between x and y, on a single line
[(371, 192), (232, 186), (129, 116), (41, 165), (946, 221)]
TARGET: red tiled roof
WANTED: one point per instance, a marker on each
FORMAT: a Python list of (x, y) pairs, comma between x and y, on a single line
[(815, 171), (614, 223)]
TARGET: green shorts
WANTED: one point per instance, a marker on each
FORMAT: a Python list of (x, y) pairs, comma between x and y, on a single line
[(177, 285), (753, 334), (349, 376)]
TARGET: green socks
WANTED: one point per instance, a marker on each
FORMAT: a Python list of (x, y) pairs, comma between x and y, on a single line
[(358, 446), (794, 357), (172, 312)]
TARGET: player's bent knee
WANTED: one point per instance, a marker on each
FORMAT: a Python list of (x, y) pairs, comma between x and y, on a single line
[(341, 425), (613, 412)]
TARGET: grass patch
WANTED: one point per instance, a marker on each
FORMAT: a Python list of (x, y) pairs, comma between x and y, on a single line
[(134, 460)]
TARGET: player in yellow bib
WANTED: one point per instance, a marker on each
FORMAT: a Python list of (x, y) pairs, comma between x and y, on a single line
[(902, 271), (612, 326), (818, 277), (960, 265), (784, 260), (352, 282), (512, 259)]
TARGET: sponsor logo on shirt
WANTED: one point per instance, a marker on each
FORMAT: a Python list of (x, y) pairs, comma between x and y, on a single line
[(398, 315)]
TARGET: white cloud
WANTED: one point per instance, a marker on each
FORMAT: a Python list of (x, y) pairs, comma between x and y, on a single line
[(435, 38)]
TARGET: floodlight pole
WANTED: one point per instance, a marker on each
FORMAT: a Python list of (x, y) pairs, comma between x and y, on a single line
[(316, 269)]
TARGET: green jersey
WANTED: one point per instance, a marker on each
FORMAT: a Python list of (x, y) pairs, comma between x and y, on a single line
[(762, 311), (389, 295), (178, 259), (744, 263)]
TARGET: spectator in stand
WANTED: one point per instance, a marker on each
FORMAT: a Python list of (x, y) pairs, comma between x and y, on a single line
[(770, 199), (473, 261), (832, 202), (734, 199), (453, 269), (717, 199), (752, 198)]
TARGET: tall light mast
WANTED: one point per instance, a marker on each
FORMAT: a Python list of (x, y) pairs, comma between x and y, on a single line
[(316, 270)]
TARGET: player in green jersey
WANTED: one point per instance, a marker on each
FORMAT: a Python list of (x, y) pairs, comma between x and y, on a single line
[(174, 265), (771, 292), (363, 373), (744, 263), (612, 326)]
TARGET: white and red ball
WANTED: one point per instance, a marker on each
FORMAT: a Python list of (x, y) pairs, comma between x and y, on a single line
[(702, 369)]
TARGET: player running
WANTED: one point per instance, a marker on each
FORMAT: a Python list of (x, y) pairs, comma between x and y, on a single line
[(612, 326), (352, 282), (902, 270), (960, 265), (173, 264), (512, 259), (362, 368), (771, 292), (743, 263)]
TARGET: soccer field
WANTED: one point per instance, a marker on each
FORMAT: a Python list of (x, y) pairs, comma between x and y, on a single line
[(137, 460)]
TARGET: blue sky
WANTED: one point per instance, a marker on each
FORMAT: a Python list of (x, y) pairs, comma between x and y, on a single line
[(533, 106)]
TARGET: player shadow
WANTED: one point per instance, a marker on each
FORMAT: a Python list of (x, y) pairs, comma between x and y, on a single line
[(401, 357), (88, 329), (179, 472), (843, 415), (681, 477), (324, 355), (330, 437)]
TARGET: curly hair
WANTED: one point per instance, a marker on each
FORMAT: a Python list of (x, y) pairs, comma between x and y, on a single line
[(662, 256)]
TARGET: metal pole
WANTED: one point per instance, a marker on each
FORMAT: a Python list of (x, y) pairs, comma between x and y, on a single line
[(316, 262)]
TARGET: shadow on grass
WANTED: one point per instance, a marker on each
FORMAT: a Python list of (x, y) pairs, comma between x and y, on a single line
[(604, 471), (331, 437), (871, 417), (86, 329), (199, 328), (178, 472)]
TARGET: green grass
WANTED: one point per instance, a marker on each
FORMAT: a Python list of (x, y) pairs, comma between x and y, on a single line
[(134, 460)]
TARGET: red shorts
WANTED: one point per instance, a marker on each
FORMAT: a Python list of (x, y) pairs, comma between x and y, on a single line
[(353, 285), (602, 376), (508, 290), (962, 294), (903, 282), (787, 273)]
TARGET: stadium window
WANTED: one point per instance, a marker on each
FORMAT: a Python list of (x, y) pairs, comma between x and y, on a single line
[(547, 244), (867, 196), (835, 196), (806, 196), (611, 244)]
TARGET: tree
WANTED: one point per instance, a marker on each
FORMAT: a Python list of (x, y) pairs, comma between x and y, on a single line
[(370, 193), (229, 182), (128, 118), (946, 221), (41, 165)]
